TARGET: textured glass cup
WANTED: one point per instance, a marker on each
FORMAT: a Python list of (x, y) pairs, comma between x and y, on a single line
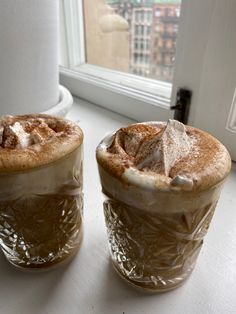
[(41, 210), (154, 235), (157, 249)]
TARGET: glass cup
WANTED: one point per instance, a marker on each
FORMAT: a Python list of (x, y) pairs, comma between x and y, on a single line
[(41, 202), (154, 234)]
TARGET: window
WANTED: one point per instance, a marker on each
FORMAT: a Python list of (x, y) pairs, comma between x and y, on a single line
[(149, 16), (161, 43), (141, 44), (111, 28), (146, 60), (141, 30), (171, 12), (177, 12), (175, 28), (157, 28), (142, 15), (157, 13), (205, 53), (169, 43)]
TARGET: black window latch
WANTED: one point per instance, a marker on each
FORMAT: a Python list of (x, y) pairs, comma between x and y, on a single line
[(182, 105)]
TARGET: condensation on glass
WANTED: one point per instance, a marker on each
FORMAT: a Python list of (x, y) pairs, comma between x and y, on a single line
[(137, 37)]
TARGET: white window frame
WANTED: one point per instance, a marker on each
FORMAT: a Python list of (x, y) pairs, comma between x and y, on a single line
[(231, 121), (74, 31), (127, 94)]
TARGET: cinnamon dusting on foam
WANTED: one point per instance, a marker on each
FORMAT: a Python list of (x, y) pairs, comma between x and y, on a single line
[(30, 141), (165, 155)]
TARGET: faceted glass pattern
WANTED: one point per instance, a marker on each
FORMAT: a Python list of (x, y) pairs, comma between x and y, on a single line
[(152, 250)]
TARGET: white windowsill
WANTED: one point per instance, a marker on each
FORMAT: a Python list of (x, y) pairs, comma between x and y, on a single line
[(89, 284), (122, 93)]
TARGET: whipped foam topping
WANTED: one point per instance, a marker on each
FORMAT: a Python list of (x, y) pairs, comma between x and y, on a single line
[(164, 155), (160, 153), (21, 135), (30, 141), (15, 137)]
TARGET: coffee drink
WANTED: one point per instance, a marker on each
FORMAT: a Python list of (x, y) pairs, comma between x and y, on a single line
[(161, 182), (41, 198)]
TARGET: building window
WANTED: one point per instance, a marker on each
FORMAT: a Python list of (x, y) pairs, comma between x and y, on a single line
[(177, 11), (146, 59), (142, 16), (158, 13), (157, 28), (175, 28), (142, 30), (149, 17)]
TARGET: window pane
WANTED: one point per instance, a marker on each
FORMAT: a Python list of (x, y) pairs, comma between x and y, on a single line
[(133, 36)]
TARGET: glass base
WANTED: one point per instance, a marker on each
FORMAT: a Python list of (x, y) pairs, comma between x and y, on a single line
[(146, 289), (49, 265)]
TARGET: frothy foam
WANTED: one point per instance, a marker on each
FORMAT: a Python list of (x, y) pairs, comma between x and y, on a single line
[(34, 140), (166, 156), (15, 137), (21, 135), (162, 151)]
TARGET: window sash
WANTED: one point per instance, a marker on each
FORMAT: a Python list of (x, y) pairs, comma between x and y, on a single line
[(72, 14)]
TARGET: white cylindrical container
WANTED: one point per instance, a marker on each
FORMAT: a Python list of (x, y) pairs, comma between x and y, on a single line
[(29, 81)]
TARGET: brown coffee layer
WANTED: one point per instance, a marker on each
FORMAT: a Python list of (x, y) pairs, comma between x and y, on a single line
[(30, 141), (41, 231)]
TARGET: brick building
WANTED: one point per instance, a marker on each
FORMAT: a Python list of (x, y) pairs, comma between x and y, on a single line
[(165, 21), (153, 27), (141, 30)]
